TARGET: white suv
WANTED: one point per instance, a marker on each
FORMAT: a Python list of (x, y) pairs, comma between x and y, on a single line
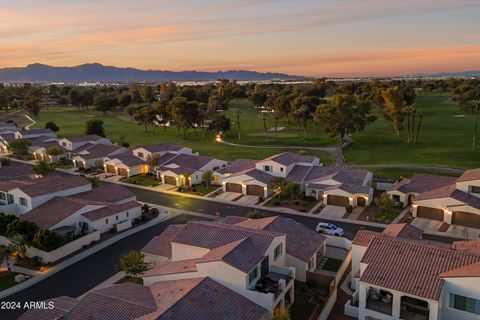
[(329, 229)]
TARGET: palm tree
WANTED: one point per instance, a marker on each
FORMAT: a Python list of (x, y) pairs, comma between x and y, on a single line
[(264, 119), (133, 263), (237, 112), (19, 244), (207, 177), (476, 109), (152, 161)]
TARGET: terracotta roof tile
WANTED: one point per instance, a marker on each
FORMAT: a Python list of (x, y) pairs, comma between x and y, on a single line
[(61, 306), (52, 212), (410, 266), (468, 246), (469, 175), (161, 245), (364, 237), (403, 230), (288, 158), (109, 210), (421, 182), (107, 192), (49, 185)]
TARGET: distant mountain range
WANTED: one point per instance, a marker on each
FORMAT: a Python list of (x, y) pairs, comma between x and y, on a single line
[(95, 72)]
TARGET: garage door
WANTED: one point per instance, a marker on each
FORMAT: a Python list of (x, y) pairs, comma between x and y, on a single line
[(233, 187), (430, 213), (170, 180), (123, 172), (254, 190), (110, 169), (466, 219), (337, 200), (80, 164)]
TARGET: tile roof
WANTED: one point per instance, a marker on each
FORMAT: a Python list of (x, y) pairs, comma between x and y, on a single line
[(421, 182), (53, 184), (298, 173), (301, 242), (240, 254), (163, 147), (106, 192), (83, 147), (469, 175), (403, 230), (124, 301), (471, 270), (166, 157), (161, 245), (441, 192), (288, 158), (62, 305), (109, 210), (233, 219), (468, 246), (8, 136), (364, 237), (177, 170), (410, 266), (100, 151), (35, 131), (255, 174), (128, 159), (85, 138), (238, 166), (52, 212), (466, 198), (211, 235), (8, 185), (189, 161), (172, 267), (211, 300)]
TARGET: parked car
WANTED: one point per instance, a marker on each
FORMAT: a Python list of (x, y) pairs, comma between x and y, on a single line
[(329, 229)]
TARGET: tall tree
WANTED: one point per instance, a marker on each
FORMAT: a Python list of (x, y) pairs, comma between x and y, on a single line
[(145, 115), (177, 108), (146, 92), (394, 106), (345, 115), (220, 124), (237, 112), (94, 126)]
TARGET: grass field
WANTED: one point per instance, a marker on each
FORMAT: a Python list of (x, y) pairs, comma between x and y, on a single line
[(444, 139)]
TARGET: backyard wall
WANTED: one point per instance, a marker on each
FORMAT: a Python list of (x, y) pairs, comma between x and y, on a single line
[(57, 254)]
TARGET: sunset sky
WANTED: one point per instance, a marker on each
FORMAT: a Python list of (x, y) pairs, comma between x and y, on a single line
[(303, 37)]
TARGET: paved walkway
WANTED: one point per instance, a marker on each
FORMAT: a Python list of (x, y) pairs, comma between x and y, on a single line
[(27, 127)]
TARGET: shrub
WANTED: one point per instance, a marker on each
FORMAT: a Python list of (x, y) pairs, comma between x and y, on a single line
[(349, 208), (25, 228), (254, 214), (276, 202), (384, 202), (5, 220), (180, 188), (47, 240), (5, 162)]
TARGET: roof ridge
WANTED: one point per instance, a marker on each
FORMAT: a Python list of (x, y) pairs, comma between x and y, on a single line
[(230, 226), (124, 300)]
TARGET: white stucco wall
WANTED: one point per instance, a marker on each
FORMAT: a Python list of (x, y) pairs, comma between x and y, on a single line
[(467, 287)]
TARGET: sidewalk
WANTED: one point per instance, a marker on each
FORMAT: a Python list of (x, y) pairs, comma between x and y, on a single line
[(66, 263)]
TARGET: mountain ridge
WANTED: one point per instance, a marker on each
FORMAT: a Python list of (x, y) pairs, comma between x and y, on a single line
[(96, 72)]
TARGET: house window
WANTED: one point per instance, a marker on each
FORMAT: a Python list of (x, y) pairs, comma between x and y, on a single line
[(64, 144), (474, 189), (396, 198), (215, 168), (106, 221), (116, 218), (311, 263), (23, 202), (252, 275), (281, 169), (278, 251), (3, 196), (9, 198), (127, 214), (464, 303), (267, 168)]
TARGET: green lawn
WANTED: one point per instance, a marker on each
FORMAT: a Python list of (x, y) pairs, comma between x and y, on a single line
[(444, 139), (332, 265), (7, 280), (387, 215), (204, 190), (118, 127), (143, 180)]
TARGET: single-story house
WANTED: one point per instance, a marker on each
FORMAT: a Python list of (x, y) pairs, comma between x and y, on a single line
[(457, 203), (160, 150), (34, 133), (72, 143), (125, 164), (186, 169), (5, 139), (250, 182), (236, 166), (406, 190), (96, 154)]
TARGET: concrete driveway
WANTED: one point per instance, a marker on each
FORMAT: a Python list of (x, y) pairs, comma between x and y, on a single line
[(463, 232), (332, 212), (228, 196), (428, 225), (248, 200)]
